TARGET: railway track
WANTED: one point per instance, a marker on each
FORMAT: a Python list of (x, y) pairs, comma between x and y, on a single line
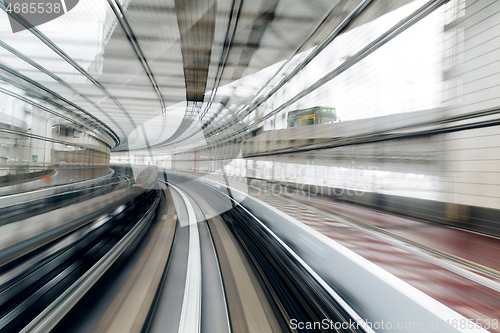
[(207, 265), (292, 291)]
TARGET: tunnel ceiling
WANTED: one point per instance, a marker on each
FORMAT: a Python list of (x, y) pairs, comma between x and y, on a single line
[(125, 62)]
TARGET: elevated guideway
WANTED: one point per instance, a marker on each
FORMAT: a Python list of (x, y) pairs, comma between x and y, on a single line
[(219, 219)]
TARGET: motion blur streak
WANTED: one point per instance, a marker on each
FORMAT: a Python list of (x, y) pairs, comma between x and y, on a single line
[(230, 166)]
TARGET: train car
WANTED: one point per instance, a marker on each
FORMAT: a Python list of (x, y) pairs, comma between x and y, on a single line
[(312, 116)]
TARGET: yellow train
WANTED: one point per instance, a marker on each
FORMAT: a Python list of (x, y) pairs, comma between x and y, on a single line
[(312, 116)]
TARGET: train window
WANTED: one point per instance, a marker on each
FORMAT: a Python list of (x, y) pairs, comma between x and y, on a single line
[(307, 122), (311, 116)]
